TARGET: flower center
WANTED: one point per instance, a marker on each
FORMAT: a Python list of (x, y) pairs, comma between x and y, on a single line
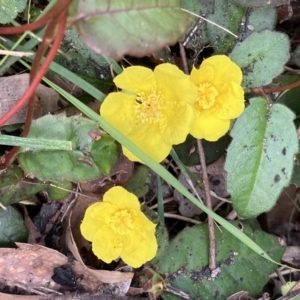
[(206, 95), (148, 106), (121, 222)]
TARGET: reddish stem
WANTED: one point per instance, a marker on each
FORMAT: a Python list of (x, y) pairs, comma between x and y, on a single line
[(39, 75), (276, 89)]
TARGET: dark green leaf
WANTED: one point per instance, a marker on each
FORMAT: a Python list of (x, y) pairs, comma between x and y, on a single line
[(14, 187), (188, 154), (260, 157), (186, 262), (12, 228), (139, 183)]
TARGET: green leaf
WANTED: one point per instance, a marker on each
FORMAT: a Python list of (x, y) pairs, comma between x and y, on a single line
[(289, 97), (60, 191), (296, 56), (260, 157), (186, 262), (257, 20), (93, 154), (218, 37), (84, 62), (261, 62), (133, 27), (9, 9), (104, 153), (260, 3), (12, 228), (208, 33), (139, 183), (14, 187), (188, 154)]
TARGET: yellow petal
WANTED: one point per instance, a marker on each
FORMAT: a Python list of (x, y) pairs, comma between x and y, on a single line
[(119, 197), (135, 79), (209, 127), (96, 216), (175, 129), (174, 84), (106, 245), (224, 67), (230, 104), (150, 142), (118, 109), (141, 245)]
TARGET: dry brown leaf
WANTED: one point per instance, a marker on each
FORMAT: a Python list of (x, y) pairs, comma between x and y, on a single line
[(32, 265), (12, 89)]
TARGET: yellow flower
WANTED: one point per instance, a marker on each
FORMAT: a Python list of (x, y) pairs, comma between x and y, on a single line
[(220, 97), (154, 109), (117, 228)]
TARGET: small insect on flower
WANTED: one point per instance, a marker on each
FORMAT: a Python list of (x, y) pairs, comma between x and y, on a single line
[(118, 229)]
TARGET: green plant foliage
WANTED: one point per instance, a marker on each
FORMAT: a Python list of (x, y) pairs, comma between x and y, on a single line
[(208, 33), (12, 228), (59, 191), (9, 9), (188, 154), (260, 157), (135, 27), (290, 97), (83, 162), (256, 20), (261, 62), (186, 262), (139, 183), (15, 188), (83, 61), (296, 56), (260, 3)]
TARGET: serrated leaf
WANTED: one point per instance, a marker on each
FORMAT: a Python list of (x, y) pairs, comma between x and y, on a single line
[(12, 228), (9, 9), (89, 158), (260, 3), (260, 157), (186, 262), (14, 187), (261, 62), (137, 27)]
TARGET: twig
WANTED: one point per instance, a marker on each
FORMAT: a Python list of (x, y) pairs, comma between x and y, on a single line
[(211, 228), (183, 58)]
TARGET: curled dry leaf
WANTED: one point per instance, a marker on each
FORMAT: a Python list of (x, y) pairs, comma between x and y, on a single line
[(12, 89)]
